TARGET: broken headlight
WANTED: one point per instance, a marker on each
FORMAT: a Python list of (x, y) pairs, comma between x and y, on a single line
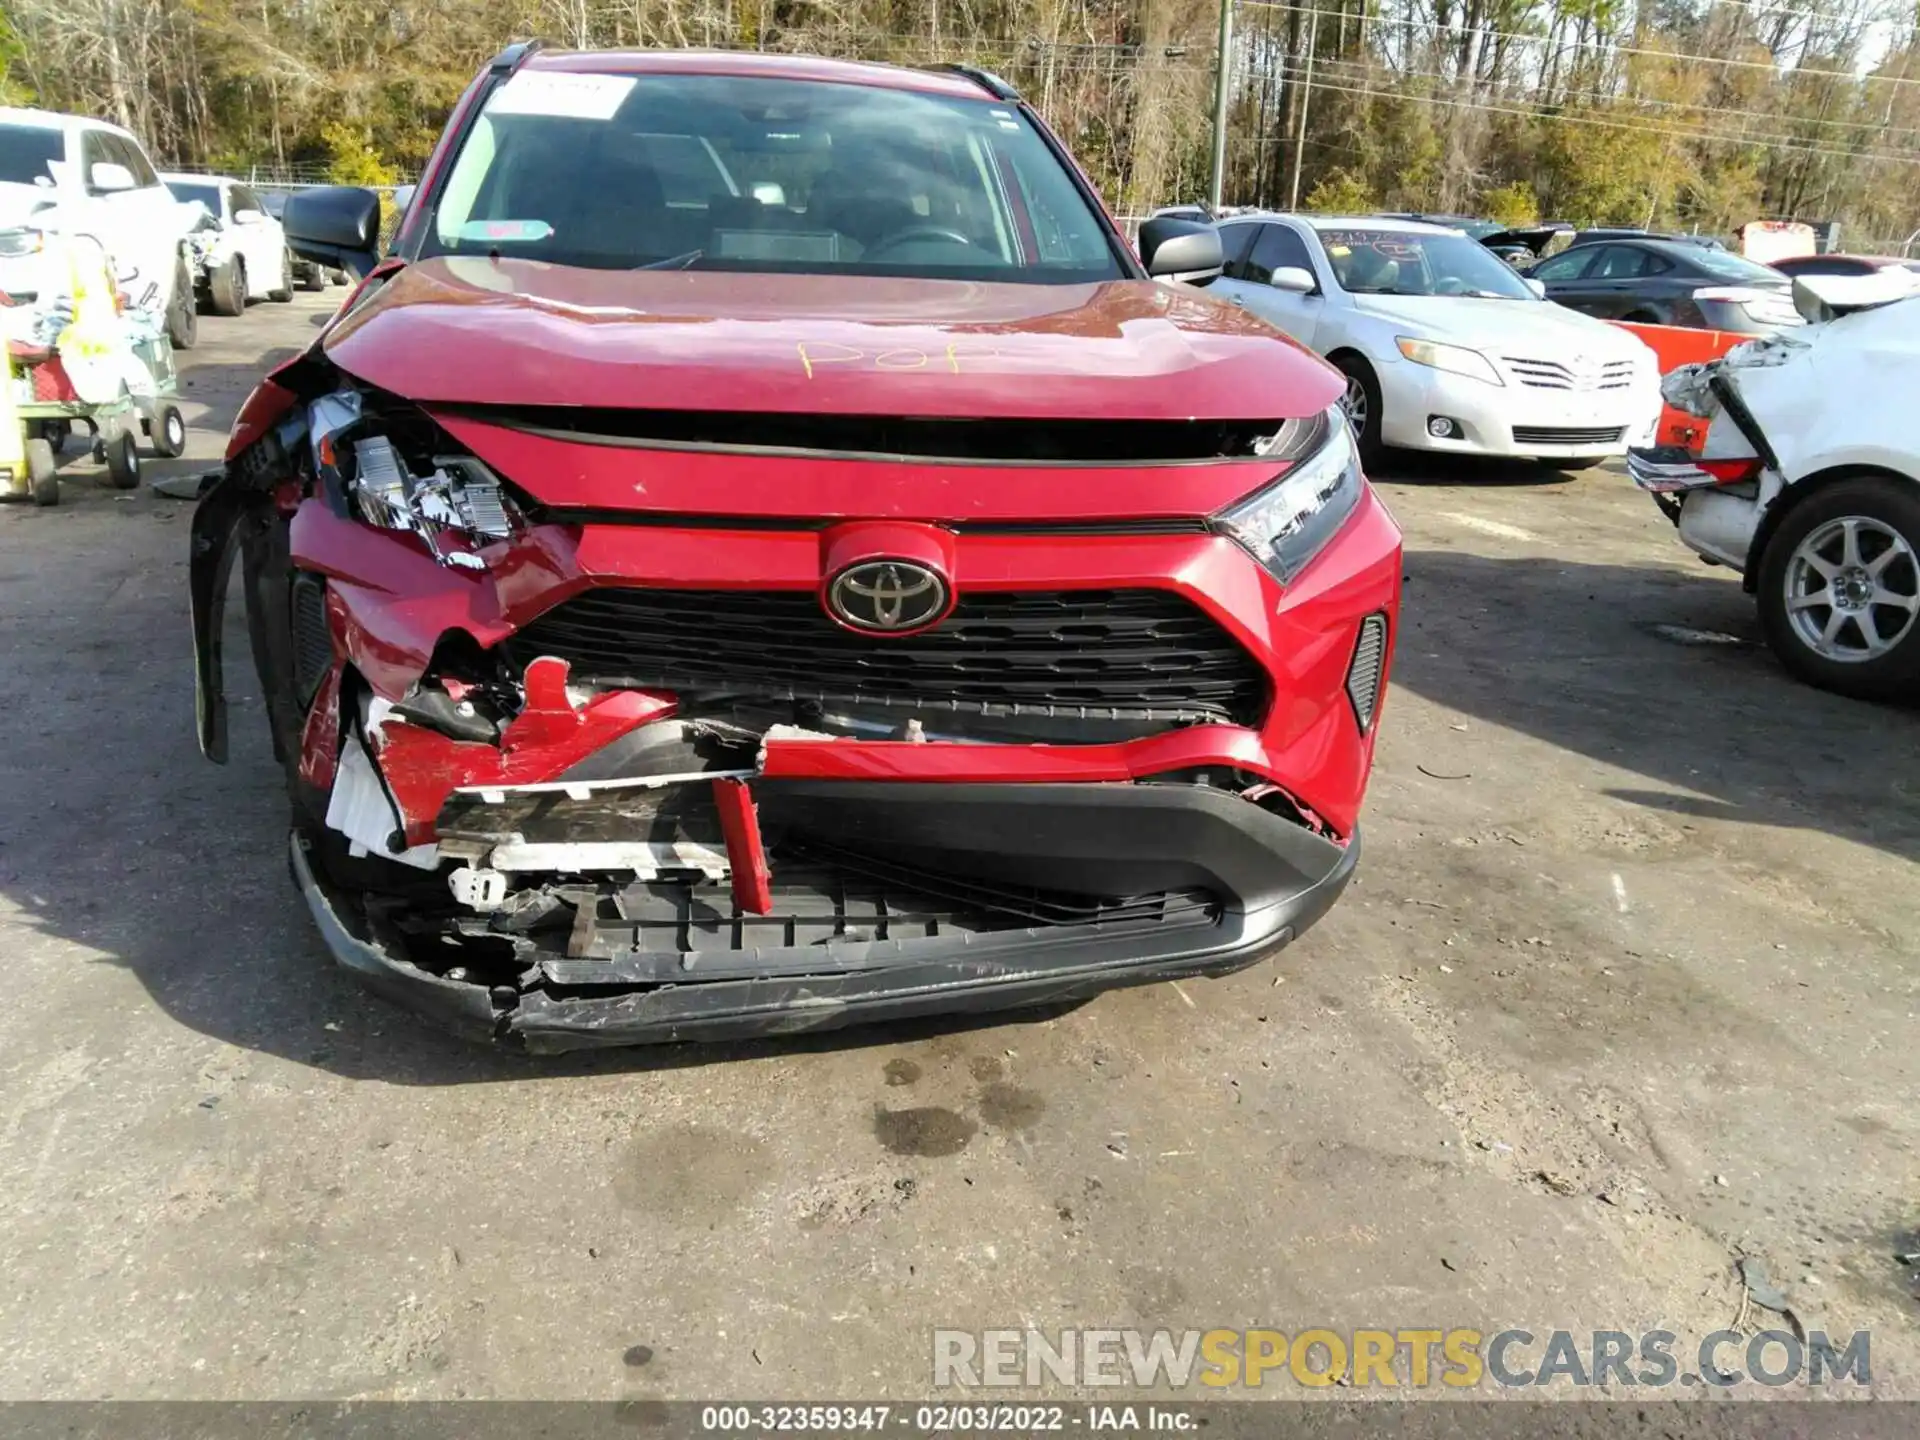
[(453, 502), (1290, 521)]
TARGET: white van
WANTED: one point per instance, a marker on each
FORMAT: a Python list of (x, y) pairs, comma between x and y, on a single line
[(88, 177)]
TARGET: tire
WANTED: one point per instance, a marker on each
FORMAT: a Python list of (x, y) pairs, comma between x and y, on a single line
[(123, 461), (1577, 462), (1855, 539), (313, 279), (168, 431), (1363, 390), (227, 287), (183, 323), (283, 292), (339, 277), (43, 473), (56, 433)]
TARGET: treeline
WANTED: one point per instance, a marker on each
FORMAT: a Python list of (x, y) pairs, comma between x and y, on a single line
[(1698, 114)]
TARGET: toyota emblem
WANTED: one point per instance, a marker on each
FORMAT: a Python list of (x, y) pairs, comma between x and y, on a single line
[(885, 597)]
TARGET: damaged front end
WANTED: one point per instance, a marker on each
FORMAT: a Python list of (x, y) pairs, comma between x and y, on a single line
[(567, 779)]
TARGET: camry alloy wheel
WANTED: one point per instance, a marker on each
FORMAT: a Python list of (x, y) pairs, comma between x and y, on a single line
[(1355, 401), (1853, 589)]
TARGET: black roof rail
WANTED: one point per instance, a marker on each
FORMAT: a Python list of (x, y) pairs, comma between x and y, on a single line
[(985, 79), (508, 60)]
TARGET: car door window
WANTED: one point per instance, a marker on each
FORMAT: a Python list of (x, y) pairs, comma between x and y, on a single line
[(241, 198), (1570, 266), (94, 150), (144, 175), (1235, 240), (1276, 248), (1617, 262)]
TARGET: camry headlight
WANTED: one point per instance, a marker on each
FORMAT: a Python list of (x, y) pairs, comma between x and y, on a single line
[(1290, 521), (1455, 359)]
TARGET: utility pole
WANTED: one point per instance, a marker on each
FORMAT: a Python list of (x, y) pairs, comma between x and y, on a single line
[(1221, 81), (1300, 126)]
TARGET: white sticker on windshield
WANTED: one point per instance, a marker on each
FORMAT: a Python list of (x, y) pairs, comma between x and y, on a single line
[(561, 93)]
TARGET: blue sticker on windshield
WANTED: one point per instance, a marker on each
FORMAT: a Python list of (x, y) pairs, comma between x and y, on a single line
[(511, 231)]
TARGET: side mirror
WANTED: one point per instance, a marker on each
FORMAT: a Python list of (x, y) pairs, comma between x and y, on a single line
[(1180, 247), (1294, 279), (337, 226), (110, 178), (247, 217), (1538, 287)]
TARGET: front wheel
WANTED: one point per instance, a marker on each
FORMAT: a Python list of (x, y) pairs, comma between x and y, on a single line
[(1362, 404), (1839, 588), (283, 292), (43, 473), (227, 287), (123, 460), (168, 430), (183, 324)]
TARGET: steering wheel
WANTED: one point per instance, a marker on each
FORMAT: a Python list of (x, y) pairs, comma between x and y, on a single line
[(913, 233)]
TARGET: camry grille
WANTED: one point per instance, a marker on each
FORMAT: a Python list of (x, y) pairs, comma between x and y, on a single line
[(1567, 435), (1557, 375)]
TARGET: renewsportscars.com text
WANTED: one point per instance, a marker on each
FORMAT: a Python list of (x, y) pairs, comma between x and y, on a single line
[(1409, 1358)]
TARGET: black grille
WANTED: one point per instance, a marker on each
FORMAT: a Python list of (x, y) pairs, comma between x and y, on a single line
[(312, 646), (1564, 435), (1078, 651), (1363, 672), (823, 895)]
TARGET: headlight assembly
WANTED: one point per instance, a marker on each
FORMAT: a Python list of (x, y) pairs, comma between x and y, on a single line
[(1454, 359), (456, 507), (1290, 521)]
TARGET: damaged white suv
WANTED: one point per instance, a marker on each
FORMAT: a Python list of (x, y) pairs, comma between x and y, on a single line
[(1808, 482)]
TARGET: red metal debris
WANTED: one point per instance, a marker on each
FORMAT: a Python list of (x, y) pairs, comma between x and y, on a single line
[(740, 823)]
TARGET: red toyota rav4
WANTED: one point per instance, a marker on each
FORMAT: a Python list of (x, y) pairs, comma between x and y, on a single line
[(759, 553)]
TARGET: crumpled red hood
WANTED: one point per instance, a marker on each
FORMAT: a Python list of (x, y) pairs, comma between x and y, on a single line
[(514, 332)]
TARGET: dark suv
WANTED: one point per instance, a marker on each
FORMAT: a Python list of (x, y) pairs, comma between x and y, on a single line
[(762, 553)]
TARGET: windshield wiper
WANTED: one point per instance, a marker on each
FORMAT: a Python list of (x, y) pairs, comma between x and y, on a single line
[(673, 262)]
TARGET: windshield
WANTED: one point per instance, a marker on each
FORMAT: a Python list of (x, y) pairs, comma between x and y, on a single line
[(720, 172), (28, 154), (188, 191), (1404, 262), (1725, 265)]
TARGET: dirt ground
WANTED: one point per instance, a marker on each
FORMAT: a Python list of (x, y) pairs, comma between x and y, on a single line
[(1625, 990)]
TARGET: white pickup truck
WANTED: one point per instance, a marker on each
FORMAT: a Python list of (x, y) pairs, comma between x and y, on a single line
[(88, 177)]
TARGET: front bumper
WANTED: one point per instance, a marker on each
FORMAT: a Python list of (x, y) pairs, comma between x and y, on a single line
[(1510, 419), (1265, 879)]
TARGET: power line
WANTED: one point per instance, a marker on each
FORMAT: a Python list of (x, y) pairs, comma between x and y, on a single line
[(1603, 97), (1609, 46), (1785, 145)]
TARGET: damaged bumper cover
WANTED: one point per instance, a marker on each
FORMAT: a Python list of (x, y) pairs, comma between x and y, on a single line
[(1068, 889)]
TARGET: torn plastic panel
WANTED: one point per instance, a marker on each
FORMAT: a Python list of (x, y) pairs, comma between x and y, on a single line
[(882, 900)]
